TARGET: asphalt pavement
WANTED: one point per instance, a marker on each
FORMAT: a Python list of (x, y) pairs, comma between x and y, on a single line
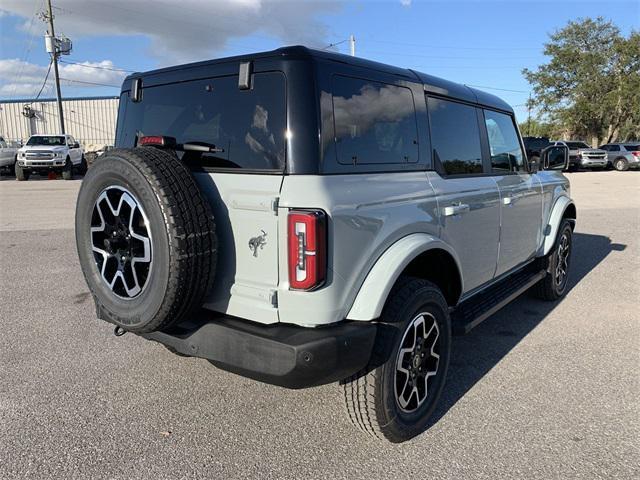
[(539, 390)]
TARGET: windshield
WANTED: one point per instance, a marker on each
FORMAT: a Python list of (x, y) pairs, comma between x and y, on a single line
[(574, 145), (54, 140)]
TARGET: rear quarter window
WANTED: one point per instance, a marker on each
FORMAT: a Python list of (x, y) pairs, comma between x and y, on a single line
[(375, 123), (249, 125)]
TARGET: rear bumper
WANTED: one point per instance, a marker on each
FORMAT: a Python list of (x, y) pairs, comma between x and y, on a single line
[(285, 355)]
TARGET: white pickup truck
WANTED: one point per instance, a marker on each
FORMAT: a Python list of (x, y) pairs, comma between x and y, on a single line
[(7, 155), (46, 153)]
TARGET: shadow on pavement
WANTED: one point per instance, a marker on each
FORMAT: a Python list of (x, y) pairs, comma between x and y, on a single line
[(476, 353)]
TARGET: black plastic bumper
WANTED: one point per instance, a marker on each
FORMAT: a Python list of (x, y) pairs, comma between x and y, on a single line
[(281, 354)]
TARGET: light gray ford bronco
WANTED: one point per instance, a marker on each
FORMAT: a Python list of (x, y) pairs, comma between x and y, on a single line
[(302, 217)]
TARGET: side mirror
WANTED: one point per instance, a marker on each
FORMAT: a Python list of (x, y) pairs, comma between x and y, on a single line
[(555, 158), (75, 145)]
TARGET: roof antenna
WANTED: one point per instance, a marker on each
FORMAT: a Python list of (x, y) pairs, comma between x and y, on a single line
[(352, 45)]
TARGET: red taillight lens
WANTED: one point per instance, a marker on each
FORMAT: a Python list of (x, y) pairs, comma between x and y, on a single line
[(307, 237), (636, 153), (157, 141)]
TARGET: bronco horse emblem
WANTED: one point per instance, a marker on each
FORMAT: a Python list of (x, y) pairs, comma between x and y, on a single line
[(258, 242)]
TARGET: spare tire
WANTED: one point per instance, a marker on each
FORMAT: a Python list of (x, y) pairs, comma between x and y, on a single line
[(146, 239)]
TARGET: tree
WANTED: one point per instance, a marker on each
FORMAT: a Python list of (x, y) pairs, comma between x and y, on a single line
[(591, 85), (539, 128)]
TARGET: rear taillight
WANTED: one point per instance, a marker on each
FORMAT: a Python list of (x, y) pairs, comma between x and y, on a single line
[(157, 141), (307, 237), (636, 153)]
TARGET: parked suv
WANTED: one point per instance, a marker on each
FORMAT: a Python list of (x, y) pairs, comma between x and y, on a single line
[(622, 156), (582, 155), (7, 156), (50, 153), (302, 217)]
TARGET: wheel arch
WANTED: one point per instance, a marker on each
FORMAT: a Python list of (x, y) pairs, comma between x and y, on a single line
[(563, 208), (419, 255)]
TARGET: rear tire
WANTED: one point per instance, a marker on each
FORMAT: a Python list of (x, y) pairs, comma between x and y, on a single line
[(168, 216), (21, 174), (621, 164), (396, 396), (82, 168), (67, 170), (554, 285)]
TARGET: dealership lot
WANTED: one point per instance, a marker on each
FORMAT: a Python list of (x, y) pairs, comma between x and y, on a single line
[(539, 390)]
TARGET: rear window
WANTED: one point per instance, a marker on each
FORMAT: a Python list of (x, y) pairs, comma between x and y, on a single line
[(249, 125), (632, 147), (455, 136), (375, 123)]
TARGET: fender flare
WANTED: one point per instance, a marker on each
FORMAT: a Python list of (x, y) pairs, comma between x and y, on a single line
[(551, 229), (385, 272)]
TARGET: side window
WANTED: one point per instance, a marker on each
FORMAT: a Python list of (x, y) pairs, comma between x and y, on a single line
[(70, 140), (247, 125), (455, 136), (614, 148), (374, 123), (506, 153)]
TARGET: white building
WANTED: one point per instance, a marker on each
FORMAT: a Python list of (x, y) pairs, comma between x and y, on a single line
[(91, 120)]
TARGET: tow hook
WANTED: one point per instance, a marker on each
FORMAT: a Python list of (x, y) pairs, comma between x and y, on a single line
[(119, 331)]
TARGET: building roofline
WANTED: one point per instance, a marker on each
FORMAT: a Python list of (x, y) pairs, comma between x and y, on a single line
[(45, 100)]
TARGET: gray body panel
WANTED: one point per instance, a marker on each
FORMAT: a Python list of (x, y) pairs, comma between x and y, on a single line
[(374, 219)]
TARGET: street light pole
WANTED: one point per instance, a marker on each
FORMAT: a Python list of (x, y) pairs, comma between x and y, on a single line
[(54, 59)]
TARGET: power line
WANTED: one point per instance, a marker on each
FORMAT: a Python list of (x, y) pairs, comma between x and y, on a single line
[(113, 69), (89, 83), (29, 46), (335, 44), (496, 88), (46, 77), (450, 47)]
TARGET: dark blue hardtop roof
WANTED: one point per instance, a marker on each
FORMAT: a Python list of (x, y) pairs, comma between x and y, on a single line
[(432, 84)]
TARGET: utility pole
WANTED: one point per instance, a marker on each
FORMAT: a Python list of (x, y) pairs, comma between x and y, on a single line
[(352, 45), (54, 59), (529, 115)]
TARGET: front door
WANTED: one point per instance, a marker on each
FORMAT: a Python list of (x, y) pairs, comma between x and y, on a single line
[(520, 193)]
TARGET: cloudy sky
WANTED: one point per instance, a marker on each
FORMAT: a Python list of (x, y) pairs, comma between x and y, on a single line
[(480, 43)]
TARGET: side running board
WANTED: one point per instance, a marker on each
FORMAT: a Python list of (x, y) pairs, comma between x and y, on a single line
[(472, 312)]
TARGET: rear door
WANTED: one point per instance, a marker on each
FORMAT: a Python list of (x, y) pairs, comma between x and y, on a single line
[(468, 198), (241, 179), (520, 193)]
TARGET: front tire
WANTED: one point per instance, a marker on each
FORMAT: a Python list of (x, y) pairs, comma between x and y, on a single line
[(67, 170), (21, 173), (395, 398), (554, 285)]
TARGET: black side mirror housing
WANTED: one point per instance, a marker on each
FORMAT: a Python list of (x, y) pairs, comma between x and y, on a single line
[(75, 145), (555, 157)]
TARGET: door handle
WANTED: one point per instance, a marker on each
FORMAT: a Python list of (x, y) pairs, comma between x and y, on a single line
[(455, 209)]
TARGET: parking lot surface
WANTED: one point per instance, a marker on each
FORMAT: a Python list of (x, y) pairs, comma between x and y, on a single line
[(539, 390)]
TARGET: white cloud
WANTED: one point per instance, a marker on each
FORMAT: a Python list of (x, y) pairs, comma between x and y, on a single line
[(23, 78), (405, 3), (187, 29)]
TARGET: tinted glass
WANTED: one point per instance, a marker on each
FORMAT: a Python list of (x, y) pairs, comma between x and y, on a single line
[(46, 141), (249, 125), (374, 122), (506, 153), (632, 147), (455, 136)]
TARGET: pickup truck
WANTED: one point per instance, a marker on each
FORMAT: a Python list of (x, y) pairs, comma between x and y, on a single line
[(50, 153), (582, 155), (302, 217), (7, 156)]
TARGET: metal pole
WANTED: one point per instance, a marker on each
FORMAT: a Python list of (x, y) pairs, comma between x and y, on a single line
[(352, 45), (54, 59), (529, 115)]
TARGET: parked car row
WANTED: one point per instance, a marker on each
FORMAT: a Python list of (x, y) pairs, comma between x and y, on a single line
[(620, 156)]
